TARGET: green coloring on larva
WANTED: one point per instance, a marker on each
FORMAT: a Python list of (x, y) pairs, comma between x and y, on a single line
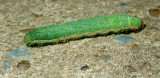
[(82, 28)]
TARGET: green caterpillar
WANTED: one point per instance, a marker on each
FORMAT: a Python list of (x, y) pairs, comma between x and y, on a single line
[(82, 28)]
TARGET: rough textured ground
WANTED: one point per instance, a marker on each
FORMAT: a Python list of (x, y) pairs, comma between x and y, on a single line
[(105, 58)]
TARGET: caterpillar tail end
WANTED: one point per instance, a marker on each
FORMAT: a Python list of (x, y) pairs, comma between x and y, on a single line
[(27, 39)]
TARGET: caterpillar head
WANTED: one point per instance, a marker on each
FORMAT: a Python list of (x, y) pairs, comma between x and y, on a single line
[(27, 39)]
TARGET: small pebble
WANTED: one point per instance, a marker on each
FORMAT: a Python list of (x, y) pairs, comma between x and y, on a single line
[(122, 5), (145, 66), (101, 51), (37, 15), (85, 67), (129, 68), (20, 52), (123, 39), (135, 49), (7, 65), (23, 65), (154, 12)]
